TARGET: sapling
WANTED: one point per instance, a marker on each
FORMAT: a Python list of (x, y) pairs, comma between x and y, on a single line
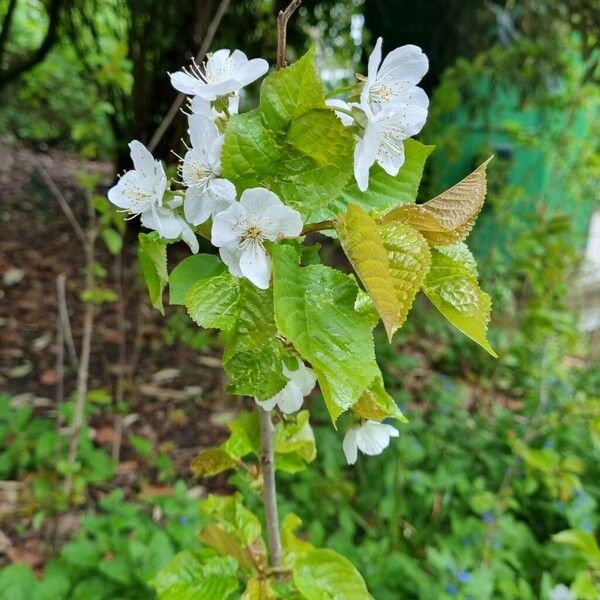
[(255, 184)]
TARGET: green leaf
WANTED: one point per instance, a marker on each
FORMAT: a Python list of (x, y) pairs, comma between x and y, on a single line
[(253, 356), (197, 575), (292, 144), (580, 540), (314, 309), (449, 217), (17, 582), (288, 93), (258, 589), (377, 404), (235, 531), (293, 546), (112, 240), (152, 254), (391, 261), (245, 435), (211, 462), (326, 575), (384, 191), (453, 288), (212, 302), (294, 443), (306, 166), (189, 271)]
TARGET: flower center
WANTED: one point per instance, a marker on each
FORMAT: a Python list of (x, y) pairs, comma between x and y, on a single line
[(253, 234)]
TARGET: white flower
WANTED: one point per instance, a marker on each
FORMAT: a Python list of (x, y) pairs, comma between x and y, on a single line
[(395, 80), (382, 141), (171, 225), (206, 193), (370, 438), (239, 232), (141, 192), (200, 106), (345, 118), (561, 592), (143, 188), (289, 399), (223, 72)]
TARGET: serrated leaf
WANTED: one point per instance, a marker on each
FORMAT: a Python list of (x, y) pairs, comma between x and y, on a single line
[(189, 271), (197, 575), (211, 462), (384, 190), (306, 165), (314, 309), (152, 254), (326, 575), (292, 144), (390, 260), (212, 302), (253, 355), (288, 93), (454, 290), (376, 404), (449, 217), (294, 443)]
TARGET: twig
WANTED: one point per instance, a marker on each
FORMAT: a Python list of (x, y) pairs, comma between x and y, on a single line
[(62, 201), (63, 314), (86, 347), (120, 383), (60, 367), (208, 39), (319, 226), (282, 20), (267, 462)]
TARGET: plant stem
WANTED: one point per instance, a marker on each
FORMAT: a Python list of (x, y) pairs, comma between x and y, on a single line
[(319, 226), (282, 20), (267, 462)]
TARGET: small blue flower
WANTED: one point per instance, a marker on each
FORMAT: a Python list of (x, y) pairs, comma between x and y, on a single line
[(463, 576), (452, 590), (183, 520), (487, 517), (587, 526)]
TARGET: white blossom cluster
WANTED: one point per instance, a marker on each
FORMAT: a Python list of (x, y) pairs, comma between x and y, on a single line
[(391, 109)]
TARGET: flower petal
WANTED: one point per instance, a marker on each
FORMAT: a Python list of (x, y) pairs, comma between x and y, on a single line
[(230, 255), (290, 399), (200, 106), (228, 225), (365, 153), (412, 96), (374, 61), (186, 84), (280, 221), (203, 132), (168, 224), (252, 70), (197, 207), (373, 437), (143, 161), (407, 63), (122, 194), (303, 377), (189, 237), (350, 446), (267, 404), (255, 264), (258, 201), (390, 156)]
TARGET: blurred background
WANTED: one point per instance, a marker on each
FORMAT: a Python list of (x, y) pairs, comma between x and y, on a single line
[(499, 455)]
